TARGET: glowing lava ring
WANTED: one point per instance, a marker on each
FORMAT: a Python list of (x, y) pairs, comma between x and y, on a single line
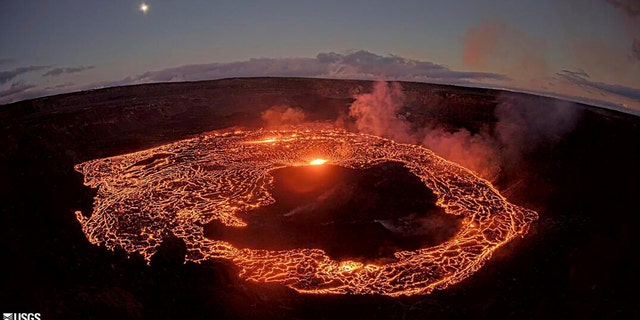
[(179, 187)]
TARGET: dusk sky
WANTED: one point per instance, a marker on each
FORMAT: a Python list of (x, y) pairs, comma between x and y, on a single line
[(582, 50)]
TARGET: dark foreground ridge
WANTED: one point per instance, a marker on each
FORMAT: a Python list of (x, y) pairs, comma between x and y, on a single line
[(577, 260)]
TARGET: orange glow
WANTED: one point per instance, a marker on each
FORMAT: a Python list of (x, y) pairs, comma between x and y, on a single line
[(179, 187), (268, 140), (317, 162)]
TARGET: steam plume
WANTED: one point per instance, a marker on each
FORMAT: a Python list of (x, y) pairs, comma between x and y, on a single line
[(477, 152), (283, 115), (523, 124), (377, 112)]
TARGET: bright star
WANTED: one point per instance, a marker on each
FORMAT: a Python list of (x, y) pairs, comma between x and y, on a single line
[(144, 7)]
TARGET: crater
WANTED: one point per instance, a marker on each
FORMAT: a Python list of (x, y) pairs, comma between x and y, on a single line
[(357, 214)]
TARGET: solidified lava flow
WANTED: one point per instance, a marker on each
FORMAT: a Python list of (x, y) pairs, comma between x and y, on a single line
[(180, 187)]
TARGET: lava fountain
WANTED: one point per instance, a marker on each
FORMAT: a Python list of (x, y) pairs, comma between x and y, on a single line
[(178, 188)]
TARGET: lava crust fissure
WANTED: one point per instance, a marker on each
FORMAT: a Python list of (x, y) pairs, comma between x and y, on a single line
[(225, 176), (376, 211)]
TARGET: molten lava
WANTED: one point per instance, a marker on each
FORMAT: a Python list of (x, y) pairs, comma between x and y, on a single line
[(177, 188), (317, 162)]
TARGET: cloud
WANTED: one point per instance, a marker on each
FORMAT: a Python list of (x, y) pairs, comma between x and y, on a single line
[(6, 76), (575, 74), (581, 79), (60, 70), (629, 7), (60, 86), (354, 65), (631, 11), (20, 90), (495, 45), (289, 67), (15, 88), (635, 49), (391, 67), (350, 65), (12, 89)]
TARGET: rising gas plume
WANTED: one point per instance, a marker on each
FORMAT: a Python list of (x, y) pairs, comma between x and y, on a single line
[(521, 125)]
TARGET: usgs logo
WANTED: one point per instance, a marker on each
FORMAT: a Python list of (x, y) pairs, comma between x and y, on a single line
[(21, 316)]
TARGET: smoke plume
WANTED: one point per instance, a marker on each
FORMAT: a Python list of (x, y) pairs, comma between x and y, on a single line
[(496, 45), (377, 112), (283, 115), (477, 152), (630, 10), (523, 125)]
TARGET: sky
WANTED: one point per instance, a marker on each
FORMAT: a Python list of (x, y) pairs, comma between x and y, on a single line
[(582, 50)]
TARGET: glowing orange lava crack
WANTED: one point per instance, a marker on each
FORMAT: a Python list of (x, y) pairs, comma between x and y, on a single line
[(177, 188)]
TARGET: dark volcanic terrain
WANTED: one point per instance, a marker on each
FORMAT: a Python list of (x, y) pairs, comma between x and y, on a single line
[(577, 260)]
